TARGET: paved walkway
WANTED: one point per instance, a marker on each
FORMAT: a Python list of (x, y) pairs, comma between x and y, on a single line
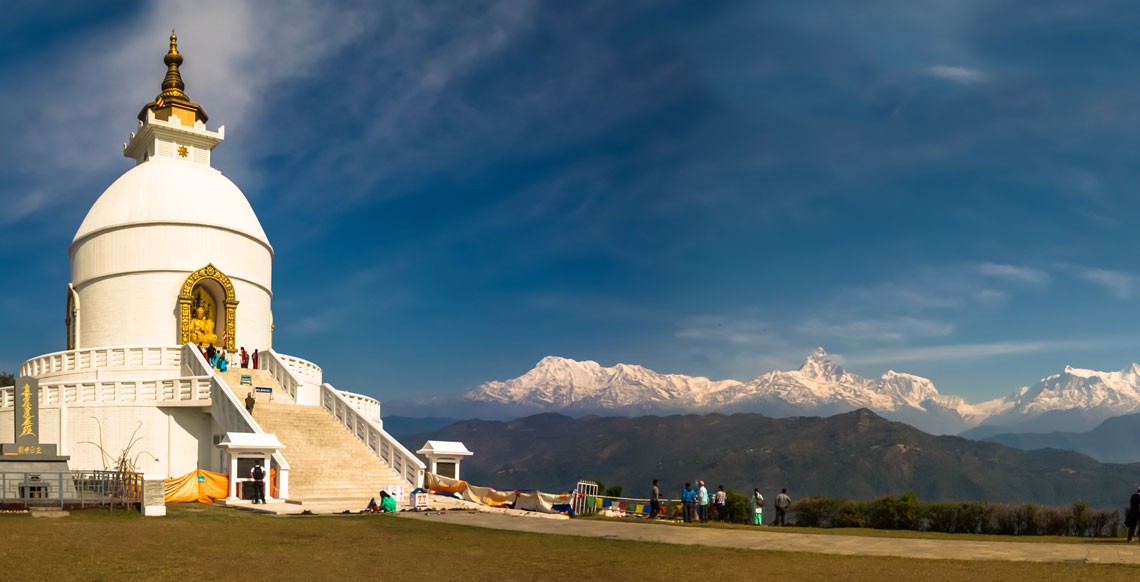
[(1106, 552)]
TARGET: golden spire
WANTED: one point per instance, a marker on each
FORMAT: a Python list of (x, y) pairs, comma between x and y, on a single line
[(173, 99), (172, 85)]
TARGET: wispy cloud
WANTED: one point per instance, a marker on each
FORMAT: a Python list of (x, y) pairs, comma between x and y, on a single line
[(236, 54), (968, 351), (960, 75), (725, 329), (1118, 283), (1014, 273), (895, 329)]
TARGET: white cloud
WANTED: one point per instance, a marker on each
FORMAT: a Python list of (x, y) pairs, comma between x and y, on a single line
[(894, 329), (961, 75), (724, 329), (1118, 283), (71, 107), (969, 351), (1014, 273)]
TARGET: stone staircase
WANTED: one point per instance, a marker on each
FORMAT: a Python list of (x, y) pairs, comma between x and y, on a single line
[(326, 461), (232, 378)]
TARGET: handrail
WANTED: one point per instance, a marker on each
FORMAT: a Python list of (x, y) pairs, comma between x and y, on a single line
[(304, 369), (231, 415), (235, 418), (382, 444), (148, 391), (103, 357), (270, 361), (366, 404)]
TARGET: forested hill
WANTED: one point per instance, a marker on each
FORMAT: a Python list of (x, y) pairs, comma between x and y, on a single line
[(856, 455)]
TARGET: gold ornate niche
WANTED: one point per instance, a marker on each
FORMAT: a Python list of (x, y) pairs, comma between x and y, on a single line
[(186, 299)]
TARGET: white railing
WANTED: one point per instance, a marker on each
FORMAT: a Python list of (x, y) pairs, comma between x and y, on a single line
[(304, 369), (400, 459), (271, 362), (229, 413), (366, 404), (194, 390), (100, 358)]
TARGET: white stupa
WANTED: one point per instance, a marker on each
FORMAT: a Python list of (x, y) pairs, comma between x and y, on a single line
[(171, 260), (171, 216)]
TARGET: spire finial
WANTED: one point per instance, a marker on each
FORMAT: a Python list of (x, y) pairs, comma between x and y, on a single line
[(172, 85), (173, 88)]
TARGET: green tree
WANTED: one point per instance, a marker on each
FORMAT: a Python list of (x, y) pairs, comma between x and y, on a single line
[(7, 379)]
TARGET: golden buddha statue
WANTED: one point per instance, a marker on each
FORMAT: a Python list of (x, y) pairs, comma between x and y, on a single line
[(202, 329)]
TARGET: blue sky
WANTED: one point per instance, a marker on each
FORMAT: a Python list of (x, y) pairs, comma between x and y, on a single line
[(455, 190)]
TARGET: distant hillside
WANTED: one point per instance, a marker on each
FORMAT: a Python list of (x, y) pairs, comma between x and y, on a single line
[(854, 455), (402, 425), (1113, 441)]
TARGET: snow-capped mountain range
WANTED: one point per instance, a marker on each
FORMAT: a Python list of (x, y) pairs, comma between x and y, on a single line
[(1075, 399)]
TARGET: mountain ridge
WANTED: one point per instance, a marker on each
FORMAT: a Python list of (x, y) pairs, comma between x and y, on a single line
[(854, 455), (1075, 399)]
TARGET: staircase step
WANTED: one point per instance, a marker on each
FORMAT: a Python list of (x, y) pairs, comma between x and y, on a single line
[(326, 460)]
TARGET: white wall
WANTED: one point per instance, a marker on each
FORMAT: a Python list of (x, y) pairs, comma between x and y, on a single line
[(128, 280), (180, 437)]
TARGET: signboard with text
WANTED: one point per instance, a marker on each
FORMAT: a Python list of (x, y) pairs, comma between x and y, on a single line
[(26, 419)]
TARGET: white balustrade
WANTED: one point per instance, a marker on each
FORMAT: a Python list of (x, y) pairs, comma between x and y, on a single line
[(382, 444), (102, 358), (366, 404), (304, 369), (273, 363), (120, 392), (230, 414)]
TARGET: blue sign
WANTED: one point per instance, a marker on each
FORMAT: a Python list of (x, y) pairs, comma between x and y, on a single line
[(263, 390)]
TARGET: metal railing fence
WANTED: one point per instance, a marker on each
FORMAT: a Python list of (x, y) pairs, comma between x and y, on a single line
[(70, 488)]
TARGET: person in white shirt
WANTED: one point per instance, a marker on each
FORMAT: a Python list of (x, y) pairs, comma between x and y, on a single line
[(721, 500)]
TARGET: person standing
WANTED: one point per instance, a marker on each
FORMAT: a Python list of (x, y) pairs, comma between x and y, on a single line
[(1132, 519), (757, 507), (244, 358), (257, 473), (783, 502), (654, 501), (720, 500), (211, 353), (688, 496), (249, 402), (703, 502), (254, 359)]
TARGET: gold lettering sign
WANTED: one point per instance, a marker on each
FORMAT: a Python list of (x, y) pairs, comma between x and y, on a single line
[(26, 402)]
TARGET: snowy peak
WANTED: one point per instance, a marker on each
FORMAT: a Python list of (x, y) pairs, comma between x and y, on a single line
[(819, 386), (820, 367), (559, 383)]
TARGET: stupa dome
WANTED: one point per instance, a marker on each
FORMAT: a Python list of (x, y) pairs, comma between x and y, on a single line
[(168, 191)]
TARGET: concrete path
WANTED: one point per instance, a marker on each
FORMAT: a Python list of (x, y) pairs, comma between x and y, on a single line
[(763, 538)]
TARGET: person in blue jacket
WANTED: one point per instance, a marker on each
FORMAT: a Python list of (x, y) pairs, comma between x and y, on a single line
[(688, 501)]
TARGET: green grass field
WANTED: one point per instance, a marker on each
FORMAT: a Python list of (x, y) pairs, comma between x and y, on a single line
[(209, 543), (881, 533)]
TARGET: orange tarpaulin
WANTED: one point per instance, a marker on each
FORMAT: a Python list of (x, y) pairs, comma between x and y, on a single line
[(200, 486), (439, 484)]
